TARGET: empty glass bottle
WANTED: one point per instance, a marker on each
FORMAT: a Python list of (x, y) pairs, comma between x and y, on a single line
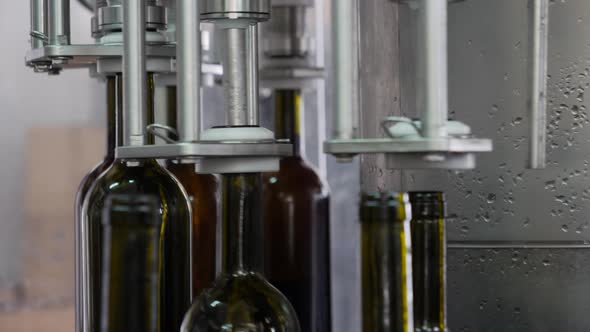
[(203, 191), (130, 264), (241, 300), (297, 224), (114, 105), (386, 263), (429, 260), (143, 177)]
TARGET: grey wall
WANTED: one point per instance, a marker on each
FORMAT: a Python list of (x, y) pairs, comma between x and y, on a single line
[(34, 100)]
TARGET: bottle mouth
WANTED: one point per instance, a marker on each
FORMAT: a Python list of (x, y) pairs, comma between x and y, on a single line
[(384, 207), (428, 204)]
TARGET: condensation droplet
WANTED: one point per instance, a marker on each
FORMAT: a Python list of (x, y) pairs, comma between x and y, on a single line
[(491, 198)]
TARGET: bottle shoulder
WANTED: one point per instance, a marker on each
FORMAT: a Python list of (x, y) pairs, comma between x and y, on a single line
[(146, 178), (247, 302), (90, 178), (296, 174), (185, 173)]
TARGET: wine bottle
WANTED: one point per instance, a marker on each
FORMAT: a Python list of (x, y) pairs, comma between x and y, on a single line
[(203, 195), (296, 221), (130, 264), (241, 299), (429, 260), (386, 263), (203, 191), (147, 177), (114, 102)]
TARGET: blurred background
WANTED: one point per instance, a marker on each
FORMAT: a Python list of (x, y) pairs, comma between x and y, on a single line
[(52, 136)]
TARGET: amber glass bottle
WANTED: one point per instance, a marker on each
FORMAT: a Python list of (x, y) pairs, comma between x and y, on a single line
[(386, 263), (204, 195), (241, 299), (114, 103), (429, 260), (296, 220)]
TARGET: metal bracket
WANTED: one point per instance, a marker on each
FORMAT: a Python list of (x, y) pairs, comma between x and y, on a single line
[(445, 153), (199, 150), (160, 58), (76, 56)]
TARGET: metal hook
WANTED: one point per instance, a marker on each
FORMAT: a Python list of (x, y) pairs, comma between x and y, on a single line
[(39, 35), (154, 127)]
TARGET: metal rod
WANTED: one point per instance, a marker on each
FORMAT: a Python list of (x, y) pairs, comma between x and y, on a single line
[(235, 78), (538, 102), (346, 70), (38, 23), (253, 84), (432, 77), (189, 70), (134, 73), (58, 13)]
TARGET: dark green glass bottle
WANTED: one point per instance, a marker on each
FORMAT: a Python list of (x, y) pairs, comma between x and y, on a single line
[(386, 263), (241, 300), (149, 178), (297, 224), (114, 103), (429, 260), (130, 232)]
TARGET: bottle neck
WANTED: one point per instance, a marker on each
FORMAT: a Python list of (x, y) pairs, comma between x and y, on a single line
[(242, 224), (131, 229), (151, 104), (288, 107), (386, 283), (114, 108), (115, 111)]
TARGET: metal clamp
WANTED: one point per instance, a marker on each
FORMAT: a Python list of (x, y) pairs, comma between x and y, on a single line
[(155, 128)]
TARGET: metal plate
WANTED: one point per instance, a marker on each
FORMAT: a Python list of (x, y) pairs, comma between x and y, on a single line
[(291, 73), (200, 150), (384, 145), (455, 161), (88, 54)]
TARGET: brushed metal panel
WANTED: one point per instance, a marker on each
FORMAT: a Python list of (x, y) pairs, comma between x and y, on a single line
[(518, 290)]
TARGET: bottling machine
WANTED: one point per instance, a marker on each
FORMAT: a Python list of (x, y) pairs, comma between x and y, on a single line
[(320, 47)]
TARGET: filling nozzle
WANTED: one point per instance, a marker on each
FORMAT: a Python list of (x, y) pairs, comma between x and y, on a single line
[(238, 21)]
